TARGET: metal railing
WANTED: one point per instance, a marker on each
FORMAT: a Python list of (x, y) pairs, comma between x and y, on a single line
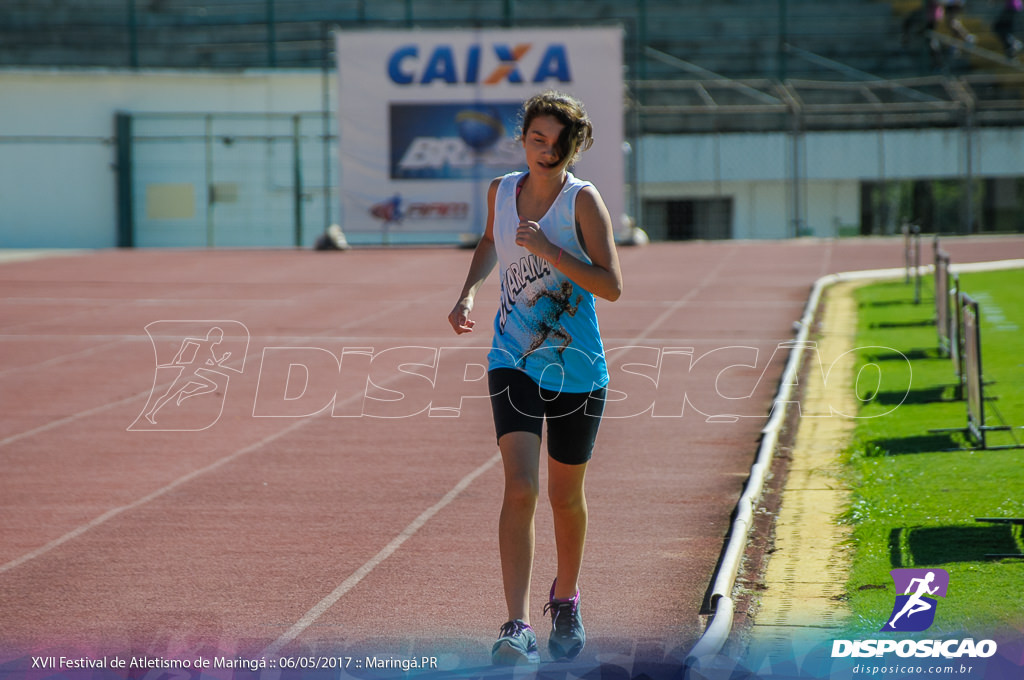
[(755, 39)]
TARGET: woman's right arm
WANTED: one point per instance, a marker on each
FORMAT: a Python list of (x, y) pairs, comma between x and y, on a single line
[(484, 259)]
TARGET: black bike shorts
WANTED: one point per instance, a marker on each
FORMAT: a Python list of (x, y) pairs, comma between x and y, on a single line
[(573, 418)]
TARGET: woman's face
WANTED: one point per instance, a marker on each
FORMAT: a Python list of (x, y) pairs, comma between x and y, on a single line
[(541, 145)]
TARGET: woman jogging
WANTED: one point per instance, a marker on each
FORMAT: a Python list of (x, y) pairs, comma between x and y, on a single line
[(551, 236)]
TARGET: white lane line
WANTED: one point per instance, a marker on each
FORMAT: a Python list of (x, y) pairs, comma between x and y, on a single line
[(362, 572), (111, 404), (75, 416), (114, 512), (679, 303), (53, 361)]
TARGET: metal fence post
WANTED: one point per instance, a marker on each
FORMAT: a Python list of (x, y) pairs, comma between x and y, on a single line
[(783, 40), (796, 193), (968, 209), (916, 234), (325, 122), (641, 39), (211, 193), (297, 176), (133, 36), (125, 206), (271, 35)]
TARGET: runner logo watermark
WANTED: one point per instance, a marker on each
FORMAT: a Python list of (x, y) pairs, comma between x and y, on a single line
[(914, 610), (196, 360), (194, 364)]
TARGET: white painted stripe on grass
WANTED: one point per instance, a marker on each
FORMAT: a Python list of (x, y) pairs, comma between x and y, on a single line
[(362, 572)]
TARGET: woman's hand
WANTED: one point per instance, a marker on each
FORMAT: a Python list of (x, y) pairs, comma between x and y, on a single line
[(530, 236), (459, 317)]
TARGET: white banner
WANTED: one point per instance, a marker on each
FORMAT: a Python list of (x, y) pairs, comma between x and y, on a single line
[(427, 118)]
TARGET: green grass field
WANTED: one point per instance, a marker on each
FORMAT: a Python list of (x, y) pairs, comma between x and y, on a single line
[(918, 492)]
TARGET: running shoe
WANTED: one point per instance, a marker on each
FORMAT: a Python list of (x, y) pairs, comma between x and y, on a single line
[(516, 644), (567, 634)]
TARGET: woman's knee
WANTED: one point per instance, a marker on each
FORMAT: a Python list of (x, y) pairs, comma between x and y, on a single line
[(565, 487), (521, 490), (567, 500), (520, 452)]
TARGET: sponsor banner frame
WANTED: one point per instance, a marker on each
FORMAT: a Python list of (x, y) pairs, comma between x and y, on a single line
[(427, 118)]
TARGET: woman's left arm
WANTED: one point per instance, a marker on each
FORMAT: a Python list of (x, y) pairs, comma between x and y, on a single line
[(603, 277)]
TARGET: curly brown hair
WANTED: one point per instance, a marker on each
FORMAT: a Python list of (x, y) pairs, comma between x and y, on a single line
[(578, 134)]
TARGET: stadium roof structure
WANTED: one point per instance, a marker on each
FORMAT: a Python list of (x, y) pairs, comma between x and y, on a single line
[(710, 103)]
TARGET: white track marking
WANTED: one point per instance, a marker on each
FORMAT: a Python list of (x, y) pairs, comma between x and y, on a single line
[(362, 572), (114, 512), (74, 416), (678, 304), (103, 407), (53, 361)]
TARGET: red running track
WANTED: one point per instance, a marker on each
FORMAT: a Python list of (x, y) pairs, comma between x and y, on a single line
[(236, 526)]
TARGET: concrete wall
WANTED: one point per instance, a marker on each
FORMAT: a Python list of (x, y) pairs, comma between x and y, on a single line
[(57, 158), (756, 171), (764, 208)]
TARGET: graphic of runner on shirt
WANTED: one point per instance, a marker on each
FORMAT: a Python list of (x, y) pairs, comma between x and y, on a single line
[(546, 323)]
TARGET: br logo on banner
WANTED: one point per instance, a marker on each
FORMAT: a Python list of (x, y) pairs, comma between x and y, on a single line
[(914, 610)]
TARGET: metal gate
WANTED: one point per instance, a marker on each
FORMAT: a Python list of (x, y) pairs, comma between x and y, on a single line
[(227, 180)]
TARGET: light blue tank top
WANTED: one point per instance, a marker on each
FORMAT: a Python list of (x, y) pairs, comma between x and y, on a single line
[(546, 325)]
